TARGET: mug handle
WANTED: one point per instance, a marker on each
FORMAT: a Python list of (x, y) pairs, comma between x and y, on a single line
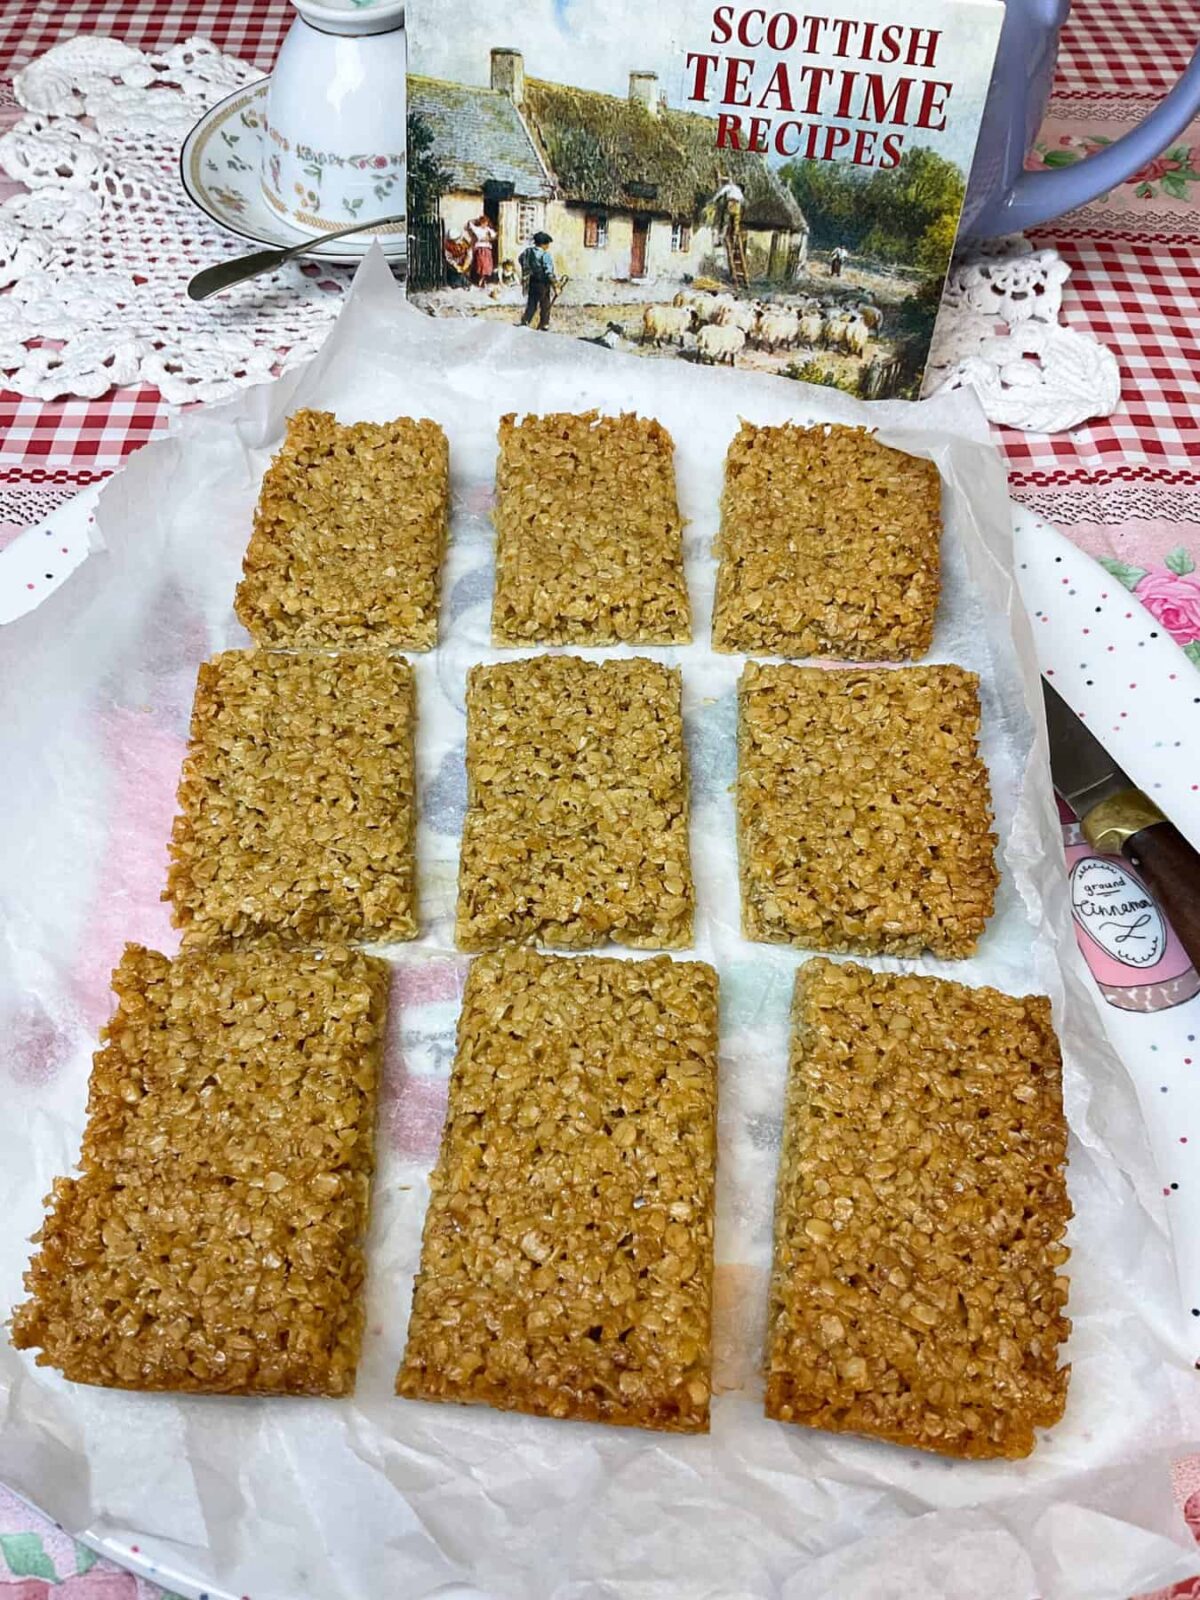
[(1037, 196)]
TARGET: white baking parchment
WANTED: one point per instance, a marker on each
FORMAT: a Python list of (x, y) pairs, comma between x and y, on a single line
[(379, 1497)]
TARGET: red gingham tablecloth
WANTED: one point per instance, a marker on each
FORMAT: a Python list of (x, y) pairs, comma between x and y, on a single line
[(1135, 286)]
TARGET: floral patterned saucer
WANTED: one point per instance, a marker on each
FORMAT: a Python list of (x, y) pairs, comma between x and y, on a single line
[(219, 167)]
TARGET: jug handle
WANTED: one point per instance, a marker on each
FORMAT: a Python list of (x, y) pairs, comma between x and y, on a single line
[(1037, 196)]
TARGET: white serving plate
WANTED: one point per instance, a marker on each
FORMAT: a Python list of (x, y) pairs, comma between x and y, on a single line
[(1059, 583), (267, 1548), (1064, 591)]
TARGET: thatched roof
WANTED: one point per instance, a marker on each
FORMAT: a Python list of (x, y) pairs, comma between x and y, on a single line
[(769, 202), (478, 134), (607, 151)]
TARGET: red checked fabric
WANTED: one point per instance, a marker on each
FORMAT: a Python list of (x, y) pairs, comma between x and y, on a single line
[(1139, 294), (252, 29), (1136, 48)]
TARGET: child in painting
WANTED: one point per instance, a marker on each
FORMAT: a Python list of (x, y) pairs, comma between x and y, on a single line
[(537, 269)]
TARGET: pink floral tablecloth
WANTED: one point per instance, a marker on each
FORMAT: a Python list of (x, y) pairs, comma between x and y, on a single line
[(38, 1561), (1125, 489)]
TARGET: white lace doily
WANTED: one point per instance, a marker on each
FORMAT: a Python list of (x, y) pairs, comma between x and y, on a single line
[(998, 333), (95, 255)]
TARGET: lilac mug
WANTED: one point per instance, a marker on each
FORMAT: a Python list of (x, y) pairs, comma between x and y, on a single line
[(1001, 196)]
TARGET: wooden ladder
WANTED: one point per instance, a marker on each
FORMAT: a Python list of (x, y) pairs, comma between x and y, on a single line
[(735, 254)]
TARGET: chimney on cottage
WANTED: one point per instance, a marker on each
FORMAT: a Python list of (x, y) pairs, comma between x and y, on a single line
[(643, 91), (508, 74)]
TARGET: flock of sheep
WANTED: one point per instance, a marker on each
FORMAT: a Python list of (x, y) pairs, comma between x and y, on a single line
[(718, 327)]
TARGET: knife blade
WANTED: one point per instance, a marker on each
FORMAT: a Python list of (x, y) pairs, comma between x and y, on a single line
[(1118, 819)]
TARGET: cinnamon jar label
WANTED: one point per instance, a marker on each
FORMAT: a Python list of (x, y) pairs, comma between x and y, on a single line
[(1127, 942), (1117, 913)]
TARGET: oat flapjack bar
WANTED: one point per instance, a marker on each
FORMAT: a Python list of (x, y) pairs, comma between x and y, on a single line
[(589, 540), (829, 546), (566, 1262), (863, 809), (297, 804), (212, 1240), (916, 1293), (348, 536), (577, 821)]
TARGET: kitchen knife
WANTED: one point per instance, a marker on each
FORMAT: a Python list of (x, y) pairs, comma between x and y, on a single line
[(1118, 819)]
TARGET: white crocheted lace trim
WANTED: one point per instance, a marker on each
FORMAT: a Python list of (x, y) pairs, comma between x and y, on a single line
[(1092, 108), (23, 504), (1155, 226), (1107, 505), (998, 333), (96, 252)]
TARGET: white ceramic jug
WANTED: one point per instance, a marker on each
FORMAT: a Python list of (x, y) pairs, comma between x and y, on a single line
[(334, 146)]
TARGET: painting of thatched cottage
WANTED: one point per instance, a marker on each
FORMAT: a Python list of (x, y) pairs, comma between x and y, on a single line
[(623, 184)]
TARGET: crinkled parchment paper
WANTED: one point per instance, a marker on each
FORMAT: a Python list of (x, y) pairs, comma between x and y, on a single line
[(375, 1496)]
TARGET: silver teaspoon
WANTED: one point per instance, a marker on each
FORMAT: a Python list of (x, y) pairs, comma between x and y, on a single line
[(211, 280)]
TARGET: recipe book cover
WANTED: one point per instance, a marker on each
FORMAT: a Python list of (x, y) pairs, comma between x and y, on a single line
[(726, 184)]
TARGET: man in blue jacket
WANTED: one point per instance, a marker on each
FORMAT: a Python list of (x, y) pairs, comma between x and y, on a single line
[(537, 269)]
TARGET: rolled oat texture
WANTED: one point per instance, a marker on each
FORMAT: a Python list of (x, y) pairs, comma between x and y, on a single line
[(589, 540), (297, 801), (917, 1293), (864, 810), (567, 1258), (212, 1241), (829, 546), (348, 536), (576, 830)]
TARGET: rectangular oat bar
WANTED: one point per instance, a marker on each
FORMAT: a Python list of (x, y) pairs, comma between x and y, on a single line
[(829, 546), (348, 536), (576, 830), (567, 1258), (864, 809), (297, 801), (920, 1213), (212, 1241), (589, 540)]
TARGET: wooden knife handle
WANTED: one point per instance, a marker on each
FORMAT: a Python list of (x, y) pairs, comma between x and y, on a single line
[(1171, 869)]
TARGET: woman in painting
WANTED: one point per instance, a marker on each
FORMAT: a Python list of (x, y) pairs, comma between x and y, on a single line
[(483, 250), (456, 252)]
